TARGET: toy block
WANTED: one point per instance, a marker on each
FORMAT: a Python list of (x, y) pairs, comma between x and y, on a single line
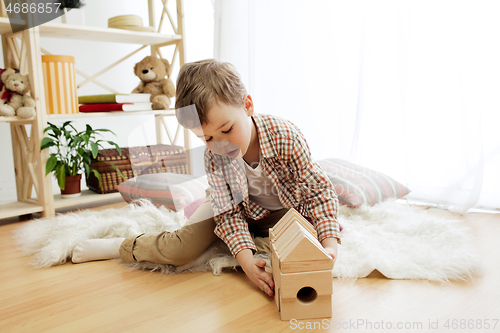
[(302, 269), (301, 247), (292, 216), (300, 251), (306, 266), (311, 307), (320, 281), (275, 264), (288, 236)]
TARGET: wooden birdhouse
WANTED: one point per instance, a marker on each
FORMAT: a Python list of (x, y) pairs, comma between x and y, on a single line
[(302, 269)]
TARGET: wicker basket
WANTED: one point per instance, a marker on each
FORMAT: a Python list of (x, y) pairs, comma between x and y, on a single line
[(135, 161), (158, 159)]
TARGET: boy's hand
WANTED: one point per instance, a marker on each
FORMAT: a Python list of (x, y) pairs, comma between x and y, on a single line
[(254, 269), (330, 245)]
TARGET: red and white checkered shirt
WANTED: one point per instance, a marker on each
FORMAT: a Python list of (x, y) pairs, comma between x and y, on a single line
[(300, 182)]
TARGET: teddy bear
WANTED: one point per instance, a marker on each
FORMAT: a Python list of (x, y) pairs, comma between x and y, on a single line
[(14, 99), (152, 72)]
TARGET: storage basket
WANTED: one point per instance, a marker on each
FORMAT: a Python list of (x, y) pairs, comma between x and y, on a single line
[(133, 162), (59, 78)]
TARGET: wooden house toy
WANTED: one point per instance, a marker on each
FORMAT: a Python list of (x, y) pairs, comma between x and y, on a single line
[(302, 269)]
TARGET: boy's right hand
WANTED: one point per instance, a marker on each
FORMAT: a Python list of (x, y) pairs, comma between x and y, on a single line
[(254, 269)]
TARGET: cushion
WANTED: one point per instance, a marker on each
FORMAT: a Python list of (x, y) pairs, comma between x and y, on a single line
[(192, 207), (171, 190), (357, 185)]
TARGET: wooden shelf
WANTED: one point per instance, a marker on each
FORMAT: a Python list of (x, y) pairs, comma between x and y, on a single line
[(112, 114), (16, 120), (87, 197), (18, 208), (98, 34), (89, 115)]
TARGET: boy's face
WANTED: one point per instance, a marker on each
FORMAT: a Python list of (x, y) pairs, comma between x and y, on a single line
[(229, 129)]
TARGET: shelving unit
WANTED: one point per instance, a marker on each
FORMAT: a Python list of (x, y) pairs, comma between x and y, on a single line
[(98, 34), (87, 197), (29, 162), (162, 113), (5, 26)]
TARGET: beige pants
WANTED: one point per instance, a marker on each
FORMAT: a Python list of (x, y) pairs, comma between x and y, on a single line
[(185, 244)]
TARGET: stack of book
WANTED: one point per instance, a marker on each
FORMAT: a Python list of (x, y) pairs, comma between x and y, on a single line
[(114, 102)]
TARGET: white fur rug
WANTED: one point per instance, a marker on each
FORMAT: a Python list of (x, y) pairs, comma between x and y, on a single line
[(400, 241)]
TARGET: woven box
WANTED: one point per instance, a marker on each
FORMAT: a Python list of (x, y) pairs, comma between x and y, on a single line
[(134, 162)]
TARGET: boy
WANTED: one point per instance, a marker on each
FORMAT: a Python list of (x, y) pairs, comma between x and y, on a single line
[(258, 167)]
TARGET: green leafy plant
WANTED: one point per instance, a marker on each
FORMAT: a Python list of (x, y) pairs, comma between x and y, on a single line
[(73, 151)]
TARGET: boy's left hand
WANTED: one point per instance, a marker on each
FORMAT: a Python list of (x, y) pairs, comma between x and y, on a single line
[(330, 245)]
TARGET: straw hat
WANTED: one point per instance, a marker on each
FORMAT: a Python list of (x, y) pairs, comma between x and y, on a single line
[(128, 22)]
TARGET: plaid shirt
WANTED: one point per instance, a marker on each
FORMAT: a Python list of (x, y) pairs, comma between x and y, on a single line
[(300, 182)]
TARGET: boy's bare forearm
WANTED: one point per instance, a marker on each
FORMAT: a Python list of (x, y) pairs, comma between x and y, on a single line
[(245, 258), (254, 269), (330, 245), (329, 242)]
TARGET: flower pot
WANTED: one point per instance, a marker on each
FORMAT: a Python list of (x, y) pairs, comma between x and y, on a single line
[(72, 187)]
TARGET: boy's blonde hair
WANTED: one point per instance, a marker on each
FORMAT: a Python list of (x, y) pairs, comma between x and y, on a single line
[(202, 84)]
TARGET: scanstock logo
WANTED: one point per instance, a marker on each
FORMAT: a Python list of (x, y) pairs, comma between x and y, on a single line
[(26, 14)]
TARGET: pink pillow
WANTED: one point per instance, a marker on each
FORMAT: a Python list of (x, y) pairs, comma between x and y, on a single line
[(192, 207), (171, 190), (356, 185)]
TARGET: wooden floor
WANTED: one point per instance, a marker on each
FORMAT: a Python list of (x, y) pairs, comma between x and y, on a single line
[(106, 297)]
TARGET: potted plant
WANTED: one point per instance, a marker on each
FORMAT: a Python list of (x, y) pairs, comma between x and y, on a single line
[(73, 154)]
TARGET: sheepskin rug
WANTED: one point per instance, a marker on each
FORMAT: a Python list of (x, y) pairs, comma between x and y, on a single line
[(398, 240)]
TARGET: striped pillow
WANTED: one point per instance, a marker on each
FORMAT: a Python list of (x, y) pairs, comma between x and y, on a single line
[(172, 190), (357, 185)]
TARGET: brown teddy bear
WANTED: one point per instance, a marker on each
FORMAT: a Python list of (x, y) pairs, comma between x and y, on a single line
[(152, 72), (13, 95)]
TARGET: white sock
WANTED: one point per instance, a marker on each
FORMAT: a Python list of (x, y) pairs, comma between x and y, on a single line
[(97, 249)]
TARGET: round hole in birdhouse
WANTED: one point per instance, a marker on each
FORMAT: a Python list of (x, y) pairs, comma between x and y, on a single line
[(307, 295)]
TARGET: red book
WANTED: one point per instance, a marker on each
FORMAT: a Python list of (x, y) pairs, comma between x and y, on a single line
[(115, 107)]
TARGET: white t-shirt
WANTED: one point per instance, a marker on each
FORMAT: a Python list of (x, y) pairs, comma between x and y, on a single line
[(260, 187)]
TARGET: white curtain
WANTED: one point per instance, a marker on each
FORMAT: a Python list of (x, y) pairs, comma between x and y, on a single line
[(409, 88)]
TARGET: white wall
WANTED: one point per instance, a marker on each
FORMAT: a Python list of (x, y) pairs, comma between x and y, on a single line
[(91, 57)]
